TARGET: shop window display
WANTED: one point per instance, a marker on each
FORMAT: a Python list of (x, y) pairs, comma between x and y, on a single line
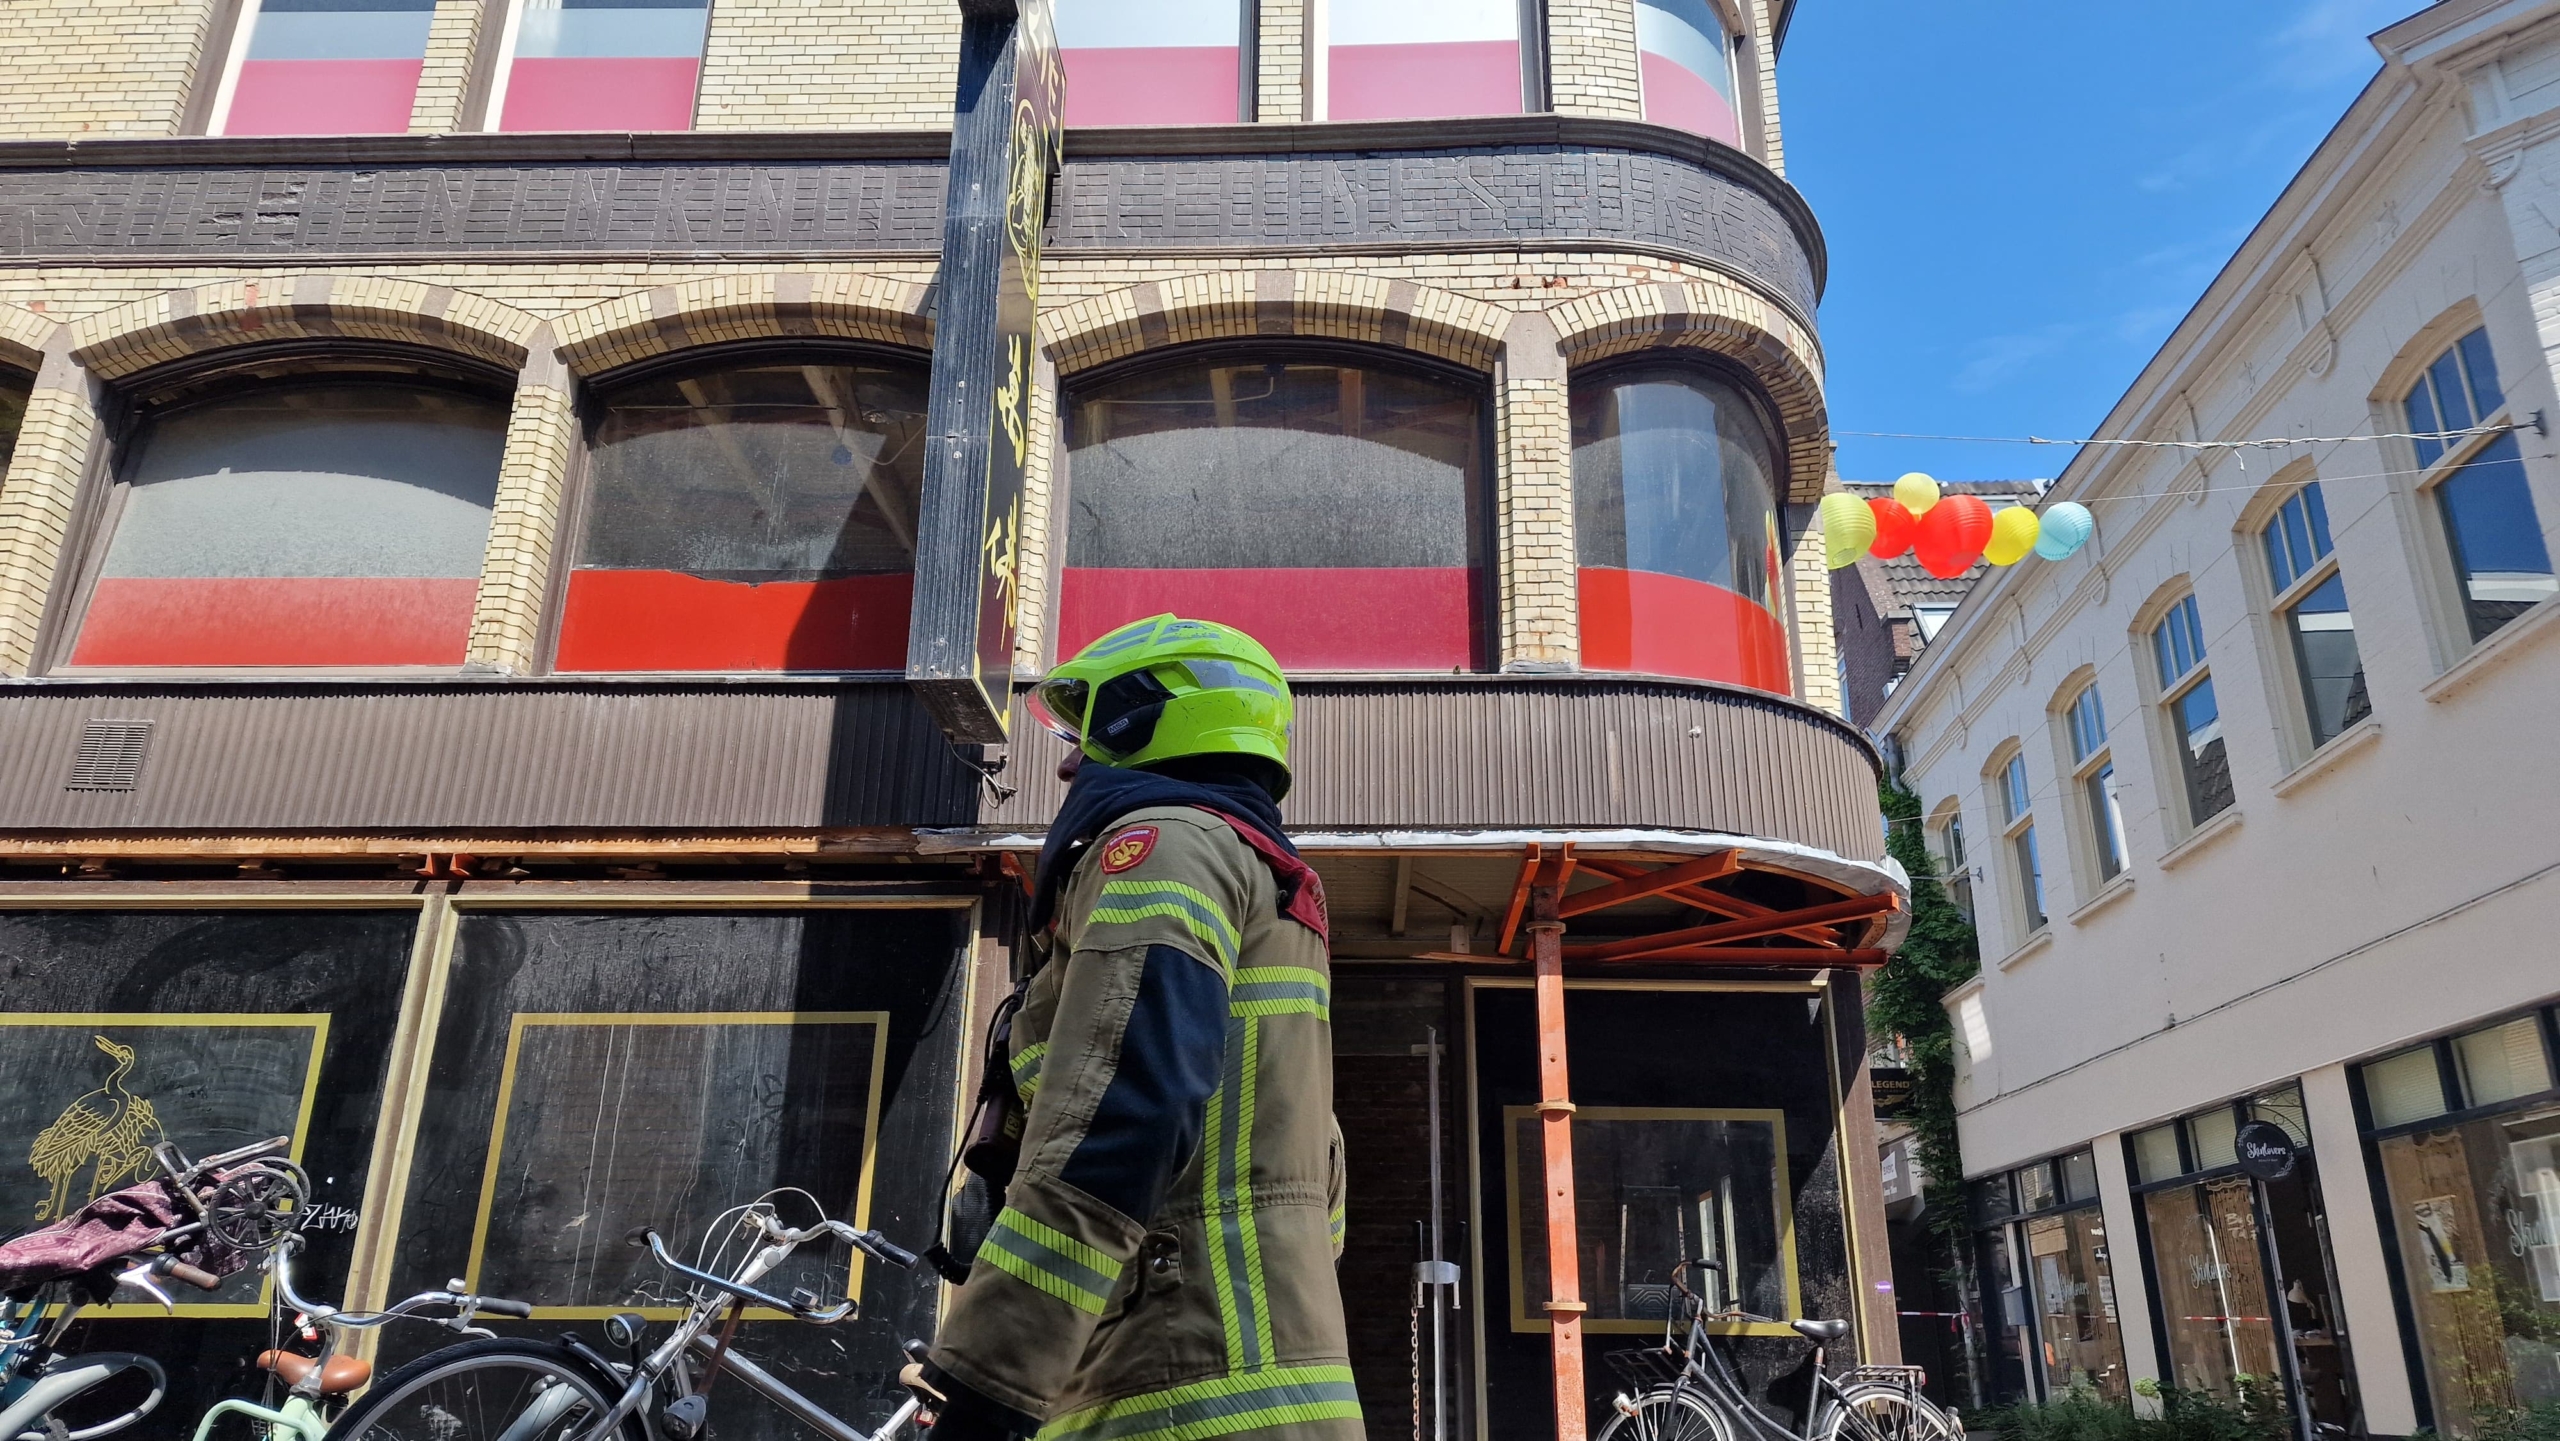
[(2049, 1274), (1299, 497), (2474, 1206)]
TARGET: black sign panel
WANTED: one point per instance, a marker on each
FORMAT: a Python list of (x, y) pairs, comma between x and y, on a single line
[(1006, 147), (1892, 1087), (2266, 1152)]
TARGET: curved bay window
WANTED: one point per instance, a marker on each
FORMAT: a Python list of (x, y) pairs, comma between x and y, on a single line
[(314, 520), (1689, 81), (1331, 508), (755, 516), (1675, 479)]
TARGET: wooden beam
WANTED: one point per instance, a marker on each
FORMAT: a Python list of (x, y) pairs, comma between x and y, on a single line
[(1715, 902), (1790, 957), (1744, 930), (1400, 895), (1519, 899), (1555, 1116), (1651, 883)]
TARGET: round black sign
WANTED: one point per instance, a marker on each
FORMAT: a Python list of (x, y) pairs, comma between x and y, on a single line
[(2266, 1152)]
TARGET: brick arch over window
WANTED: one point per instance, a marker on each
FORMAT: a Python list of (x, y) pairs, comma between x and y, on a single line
[(781, 305), (1780, 354), (1307, 304), (176, 324), (23, 333)]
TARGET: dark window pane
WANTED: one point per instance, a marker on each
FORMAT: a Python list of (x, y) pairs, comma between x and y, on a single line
[(2324, 646), (2485, 395), (13, 411), (2031, 877), (2201, 754), (2015, 780), (2036, 1190), (2079, 1176), (754, 518), (2318, 509), (2454, 407), (2297, 536), (2422, 421), (2280, 573), (1676, 527), (302, 525), (1299, 500), (2106, 819), (2498, 553)]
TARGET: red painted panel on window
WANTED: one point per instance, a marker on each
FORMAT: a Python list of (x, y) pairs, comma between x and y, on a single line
[(1425, 82), (276, 621), (323, 97), (1636, 620), (1403, 618), (1160, 85), (666, 620), (607, 94), (1676, 95)]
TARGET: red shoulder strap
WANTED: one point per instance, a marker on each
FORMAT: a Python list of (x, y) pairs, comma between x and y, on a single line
[(1301, 889)]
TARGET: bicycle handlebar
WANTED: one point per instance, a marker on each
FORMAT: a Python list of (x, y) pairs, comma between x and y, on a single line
[(782, 1239), (280, 1265)]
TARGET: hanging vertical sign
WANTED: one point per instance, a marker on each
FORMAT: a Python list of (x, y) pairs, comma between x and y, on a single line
[(1006, 146)]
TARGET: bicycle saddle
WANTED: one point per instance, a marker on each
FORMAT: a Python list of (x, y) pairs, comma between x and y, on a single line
[(1822, 1331), (339, 1376)]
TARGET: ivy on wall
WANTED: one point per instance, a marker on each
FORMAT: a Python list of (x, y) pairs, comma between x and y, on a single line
[(1904, 999)]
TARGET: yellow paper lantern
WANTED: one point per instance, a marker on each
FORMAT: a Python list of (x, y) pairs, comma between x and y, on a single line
[(1848, 528), (1917, 493), (2013, 535)]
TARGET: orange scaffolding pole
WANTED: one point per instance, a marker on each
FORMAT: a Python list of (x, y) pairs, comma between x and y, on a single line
[(1555, 1113)]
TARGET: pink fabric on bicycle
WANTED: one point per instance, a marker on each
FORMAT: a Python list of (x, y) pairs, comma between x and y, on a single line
[(109, 1229)]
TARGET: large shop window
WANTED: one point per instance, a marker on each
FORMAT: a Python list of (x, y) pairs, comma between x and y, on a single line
[(597, 1072), (2501, 566), (756, 517), (1675, 483), (2049, 1279), (2240, 1267), (604, 65), (315, 523), (1153, 62), (1688, 67), (328, 67), (1303, 499), (211, 1030), (1423, 59), (2475, 1211)]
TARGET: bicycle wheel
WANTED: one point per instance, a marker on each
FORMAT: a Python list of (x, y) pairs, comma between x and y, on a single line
[(499, 1390), (1885, 1413), (1669, 1414)]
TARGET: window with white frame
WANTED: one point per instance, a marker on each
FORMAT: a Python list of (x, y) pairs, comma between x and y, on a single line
[(2310, 605), (2195, 719), (2018, 828), (2476, 484), (1955, 871), (2093, 770)]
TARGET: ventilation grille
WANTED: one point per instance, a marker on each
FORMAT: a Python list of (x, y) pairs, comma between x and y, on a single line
[(110, 755)]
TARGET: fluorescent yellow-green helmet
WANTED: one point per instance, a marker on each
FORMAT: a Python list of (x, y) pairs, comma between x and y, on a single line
[(1164, 687)]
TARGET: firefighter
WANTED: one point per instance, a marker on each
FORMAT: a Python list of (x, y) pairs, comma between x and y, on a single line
[(1162, 1266)]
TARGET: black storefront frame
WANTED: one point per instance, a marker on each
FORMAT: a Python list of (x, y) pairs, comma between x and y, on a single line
[(2010, 1224), (2378, 1185)]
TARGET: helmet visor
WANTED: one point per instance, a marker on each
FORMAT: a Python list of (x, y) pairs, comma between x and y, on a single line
[(1059, 706)]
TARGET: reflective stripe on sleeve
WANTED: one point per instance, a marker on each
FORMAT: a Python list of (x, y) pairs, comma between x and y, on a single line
[(1224, 1407), (1280, 991), (1026, 1071), (1051, 1260), (1126, 901)]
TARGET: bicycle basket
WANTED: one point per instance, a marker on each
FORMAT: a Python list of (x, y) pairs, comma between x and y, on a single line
[(1647, 1368)]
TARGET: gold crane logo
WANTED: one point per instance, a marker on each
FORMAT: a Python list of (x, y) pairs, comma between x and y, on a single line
[(110, 1131)]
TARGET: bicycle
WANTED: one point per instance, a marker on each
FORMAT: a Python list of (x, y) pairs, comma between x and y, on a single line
[(197, 1222), (568, 1390), (1690, 1393)]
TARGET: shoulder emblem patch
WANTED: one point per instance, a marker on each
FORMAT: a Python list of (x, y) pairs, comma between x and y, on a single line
[(1127, 849)]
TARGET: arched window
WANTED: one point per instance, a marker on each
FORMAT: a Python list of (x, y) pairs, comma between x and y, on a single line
[(13, 411), (750, 515), (1330, 505), (304, 520), (2013, 804), (1687, 55), (2093, 777), (1675, 483)]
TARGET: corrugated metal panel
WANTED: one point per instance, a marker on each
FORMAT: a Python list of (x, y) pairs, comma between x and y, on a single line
[(1513, 751), (501, 755), (1450, 753)]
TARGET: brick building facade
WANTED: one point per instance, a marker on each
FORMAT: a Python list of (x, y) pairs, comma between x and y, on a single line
[(453, 553)]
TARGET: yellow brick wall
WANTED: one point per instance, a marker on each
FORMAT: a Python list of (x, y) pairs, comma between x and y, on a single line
[(37, 494), (829, 65), (93, 68), (1816, 646), (1281, 84), (1773, 149), (1591, 49), (454, 37), (1533, 500), (524, 525)]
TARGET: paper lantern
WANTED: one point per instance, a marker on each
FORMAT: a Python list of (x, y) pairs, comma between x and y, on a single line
[(2013, 535), (1917, 492), (1895, 528), (1848, 528), (1952, 536), (2066, 527)]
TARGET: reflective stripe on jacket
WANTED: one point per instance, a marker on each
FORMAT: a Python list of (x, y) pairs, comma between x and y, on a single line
[(1163, 1267)]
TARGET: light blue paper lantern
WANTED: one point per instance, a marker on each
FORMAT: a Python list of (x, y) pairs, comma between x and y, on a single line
[(2067, 527)]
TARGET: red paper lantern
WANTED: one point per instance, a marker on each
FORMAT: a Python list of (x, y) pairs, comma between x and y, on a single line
[(1952, 536), (1895, 527)]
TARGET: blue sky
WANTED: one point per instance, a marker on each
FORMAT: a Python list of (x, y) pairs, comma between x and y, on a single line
[(2023, 197)]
